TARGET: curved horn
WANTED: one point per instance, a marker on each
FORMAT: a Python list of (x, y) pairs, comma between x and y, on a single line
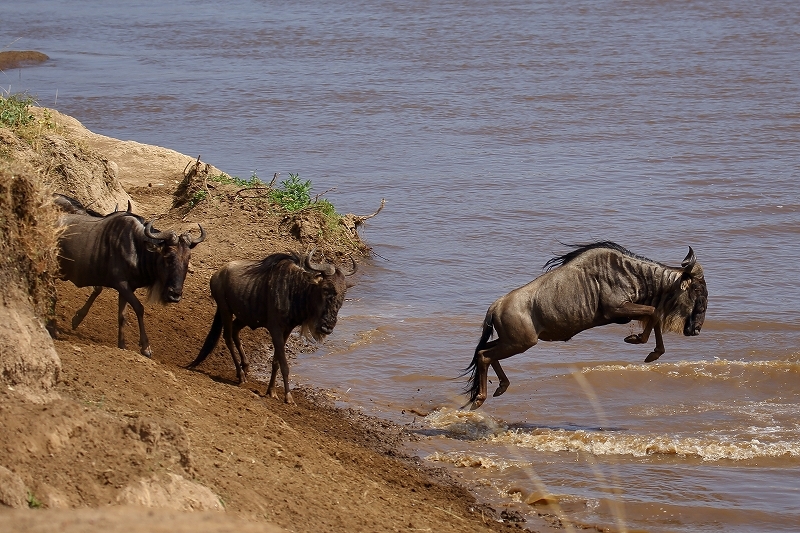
[(354, 269), (323, 268), (201, 238), (158, 236), (689, 261), (130, 209)]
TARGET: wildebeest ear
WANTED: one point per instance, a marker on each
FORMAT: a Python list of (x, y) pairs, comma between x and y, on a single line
[(689, 261)]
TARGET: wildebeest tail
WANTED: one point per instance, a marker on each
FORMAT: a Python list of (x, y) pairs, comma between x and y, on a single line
[(473, 385), (211, 340)]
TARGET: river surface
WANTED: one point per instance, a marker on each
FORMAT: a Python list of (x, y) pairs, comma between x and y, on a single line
[(497, 130)]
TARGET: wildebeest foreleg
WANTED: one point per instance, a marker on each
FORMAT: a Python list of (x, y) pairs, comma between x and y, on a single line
[(279, 339), (642, 338), (632, 311), (81, 314), (659, 349), (126, 296)]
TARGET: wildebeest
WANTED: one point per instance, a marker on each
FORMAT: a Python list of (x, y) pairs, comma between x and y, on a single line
[(593, 285), (122, 251), (69, 204), (279, 292)]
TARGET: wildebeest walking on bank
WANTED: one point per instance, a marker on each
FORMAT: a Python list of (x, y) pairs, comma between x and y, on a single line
[(280, 292), (123, 252), (593, 285)]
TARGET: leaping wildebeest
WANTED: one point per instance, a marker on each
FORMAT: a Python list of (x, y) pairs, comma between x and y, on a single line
[(593, 285), (279, 292), (123, 252)]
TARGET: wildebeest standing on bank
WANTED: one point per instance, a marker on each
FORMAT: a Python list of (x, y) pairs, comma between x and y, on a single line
[(593, 285), (280, 292), (123, 252)]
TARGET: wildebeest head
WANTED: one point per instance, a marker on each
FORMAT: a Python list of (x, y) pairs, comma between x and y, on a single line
[(331, 287), (689, 309), (173, 253)]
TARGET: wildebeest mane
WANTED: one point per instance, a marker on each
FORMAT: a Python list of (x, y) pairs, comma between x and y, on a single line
[(268, 263), (580, 249)]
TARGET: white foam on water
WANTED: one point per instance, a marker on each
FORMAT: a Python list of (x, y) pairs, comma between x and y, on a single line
[(719, 369), (470, 425), (604, 443)]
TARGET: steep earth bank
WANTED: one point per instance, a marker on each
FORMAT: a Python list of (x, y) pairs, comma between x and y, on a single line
[(101, 439)]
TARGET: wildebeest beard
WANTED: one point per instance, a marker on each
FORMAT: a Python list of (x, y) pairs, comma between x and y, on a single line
[(308, 330)]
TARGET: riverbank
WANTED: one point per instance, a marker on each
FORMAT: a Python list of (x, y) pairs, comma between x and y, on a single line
[(127, 430)]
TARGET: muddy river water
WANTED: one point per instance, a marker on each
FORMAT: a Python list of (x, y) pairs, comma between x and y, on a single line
[(497, 130)]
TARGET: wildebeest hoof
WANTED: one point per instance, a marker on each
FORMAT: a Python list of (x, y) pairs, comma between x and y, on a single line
[(652, 357), (288, 399), (636, 338), (500, 390), (147, 352), (477, 403)]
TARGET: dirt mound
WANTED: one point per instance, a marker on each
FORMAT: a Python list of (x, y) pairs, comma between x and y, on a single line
[(64, 165), (112, 456), (28, 362)]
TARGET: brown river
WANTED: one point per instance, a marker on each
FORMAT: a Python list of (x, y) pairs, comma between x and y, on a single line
[(497, 130)]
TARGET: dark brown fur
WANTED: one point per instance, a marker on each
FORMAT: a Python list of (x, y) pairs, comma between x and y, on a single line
[(115, 251), (280, 293)]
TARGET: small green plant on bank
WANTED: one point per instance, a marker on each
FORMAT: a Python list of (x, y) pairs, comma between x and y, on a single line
[(233, 180), (198, 197), (33, 502), (293, 194), (15, 114), (14, 110)]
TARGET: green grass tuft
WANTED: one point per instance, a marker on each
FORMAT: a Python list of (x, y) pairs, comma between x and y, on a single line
[(33, 502), (233, 180), (14, 110), (198, 197)]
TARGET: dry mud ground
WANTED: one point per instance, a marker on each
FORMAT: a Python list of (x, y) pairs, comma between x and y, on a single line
[(131, 430)]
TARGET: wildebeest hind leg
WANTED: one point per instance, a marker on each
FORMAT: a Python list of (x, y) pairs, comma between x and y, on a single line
[(275, 365), (494, 352), (81, 314), (121, 322), (228, 332), (504, 383), (237, 327)]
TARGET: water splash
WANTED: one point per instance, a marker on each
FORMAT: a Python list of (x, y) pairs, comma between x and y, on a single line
[(469, 425), (600, 443), (719, 369)]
